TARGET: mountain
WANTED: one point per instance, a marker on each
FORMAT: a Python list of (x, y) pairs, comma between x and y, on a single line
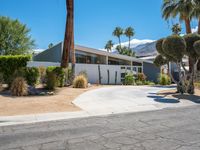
[(142, 48), (148, 49)]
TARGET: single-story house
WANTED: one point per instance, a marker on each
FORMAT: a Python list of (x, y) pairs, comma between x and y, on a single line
[(101, 66)]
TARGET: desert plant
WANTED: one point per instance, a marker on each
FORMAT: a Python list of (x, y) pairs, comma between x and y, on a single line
[(80, 82), (129, 79), (42, 71), (138, 82), (60, 74), (141, 77), (32, 75), (19, 87), (164, 79), (149, 83), (51, 81), (1, 81)]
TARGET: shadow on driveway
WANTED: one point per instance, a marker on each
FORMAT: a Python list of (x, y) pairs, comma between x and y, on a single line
[(162, 99)]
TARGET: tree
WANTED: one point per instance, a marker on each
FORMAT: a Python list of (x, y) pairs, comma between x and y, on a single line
[(125, 51), (109, 46), (196, 13), (129, 32), (14, 37), (50, 45), (191, 52), (181, 8), (176, 29), (69, 37), (118, 32), (172, 49)]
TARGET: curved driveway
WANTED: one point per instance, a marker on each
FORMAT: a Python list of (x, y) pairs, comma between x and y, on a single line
[(119, 99)]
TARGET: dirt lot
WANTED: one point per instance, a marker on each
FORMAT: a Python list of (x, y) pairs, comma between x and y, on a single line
[(61, 102)]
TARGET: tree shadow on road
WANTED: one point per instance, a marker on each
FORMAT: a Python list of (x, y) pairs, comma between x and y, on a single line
[(162, 99)]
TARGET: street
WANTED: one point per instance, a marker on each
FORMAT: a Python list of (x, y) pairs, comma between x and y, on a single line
[(166, 129)]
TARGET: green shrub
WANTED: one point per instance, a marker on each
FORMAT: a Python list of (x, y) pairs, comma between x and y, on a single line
[(51, 80), (32, 75), (138, 82), (149, 83), (164, 79), (129, 79), (59, 74), (1, 81), (42, 71), (19, 87), (80, 81), (9, 65)]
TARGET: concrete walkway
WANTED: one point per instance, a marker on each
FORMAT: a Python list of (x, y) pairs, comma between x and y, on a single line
[(120, 99), (105, 101)]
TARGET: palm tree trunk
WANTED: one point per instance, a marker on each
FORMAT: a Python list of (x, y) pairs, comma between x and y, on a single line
[(199, 26), (187, 25), (68, 34), (129, 43), (120, 42), (188, 31)]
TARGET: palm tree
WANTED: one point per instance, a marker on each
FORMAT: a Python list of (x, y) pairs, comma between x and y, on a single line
[(118, 32), (181, 8), (69, 38), (109, 46), (176, 29), (129, 32), (196, 13)]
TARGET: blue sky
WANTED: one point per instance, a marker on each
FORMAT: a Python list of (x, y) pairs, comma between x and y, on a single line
[(94, 19)]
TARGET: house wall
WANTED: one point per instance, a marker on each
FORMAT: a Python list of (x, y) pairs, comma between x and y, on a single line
[(93, 73), (151, 71), (53, 54)]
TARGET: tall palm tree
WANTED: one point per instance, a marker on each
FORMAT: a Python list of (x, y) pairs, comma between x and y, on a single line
[(181, 8), (109, 46), (196, 13), (69, 38), (176, 29), (118, 32), (129, 32)]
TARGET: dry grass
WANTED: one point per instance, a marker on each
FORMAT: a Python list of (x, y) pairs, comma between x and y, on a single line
[(61, 102)]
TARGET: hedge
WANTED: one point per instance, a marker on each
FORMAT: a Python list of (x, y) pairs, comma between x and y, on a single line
[(10, 64)]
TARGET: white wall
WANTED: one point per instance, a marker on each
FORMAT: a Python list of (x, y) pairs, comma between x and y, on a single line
[(41, 64), (93, 73)]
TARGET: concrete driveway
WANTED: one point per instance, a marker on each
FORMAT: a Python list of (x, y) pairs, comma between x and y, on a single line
[(120, 99)]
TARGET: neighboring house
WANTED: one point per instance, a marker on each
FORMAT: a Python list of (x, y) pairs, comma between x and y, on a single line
[(100, 66)]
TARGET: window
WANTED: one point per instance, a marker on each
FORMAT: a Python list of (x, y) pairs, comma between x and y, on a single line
[(89, 58)]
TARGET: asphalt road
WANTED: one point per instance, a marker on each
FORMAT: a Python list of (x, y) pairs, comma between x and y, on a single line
[(167, 129)]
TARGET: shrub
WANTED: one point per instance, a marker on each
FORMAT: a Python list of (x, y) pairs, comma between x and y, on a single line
[(84, 73), (9, 64), (138, 82), (149, 83), (80, 82), (42, 71), (1, 81), (141, 77), (51, 81), (32, 75), (60, 74), (129, 79), (164, 79), (19, 87)]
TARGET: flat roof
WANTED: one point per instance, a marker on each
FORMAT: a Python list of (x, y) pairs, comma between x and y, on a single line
[(105, 53)]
